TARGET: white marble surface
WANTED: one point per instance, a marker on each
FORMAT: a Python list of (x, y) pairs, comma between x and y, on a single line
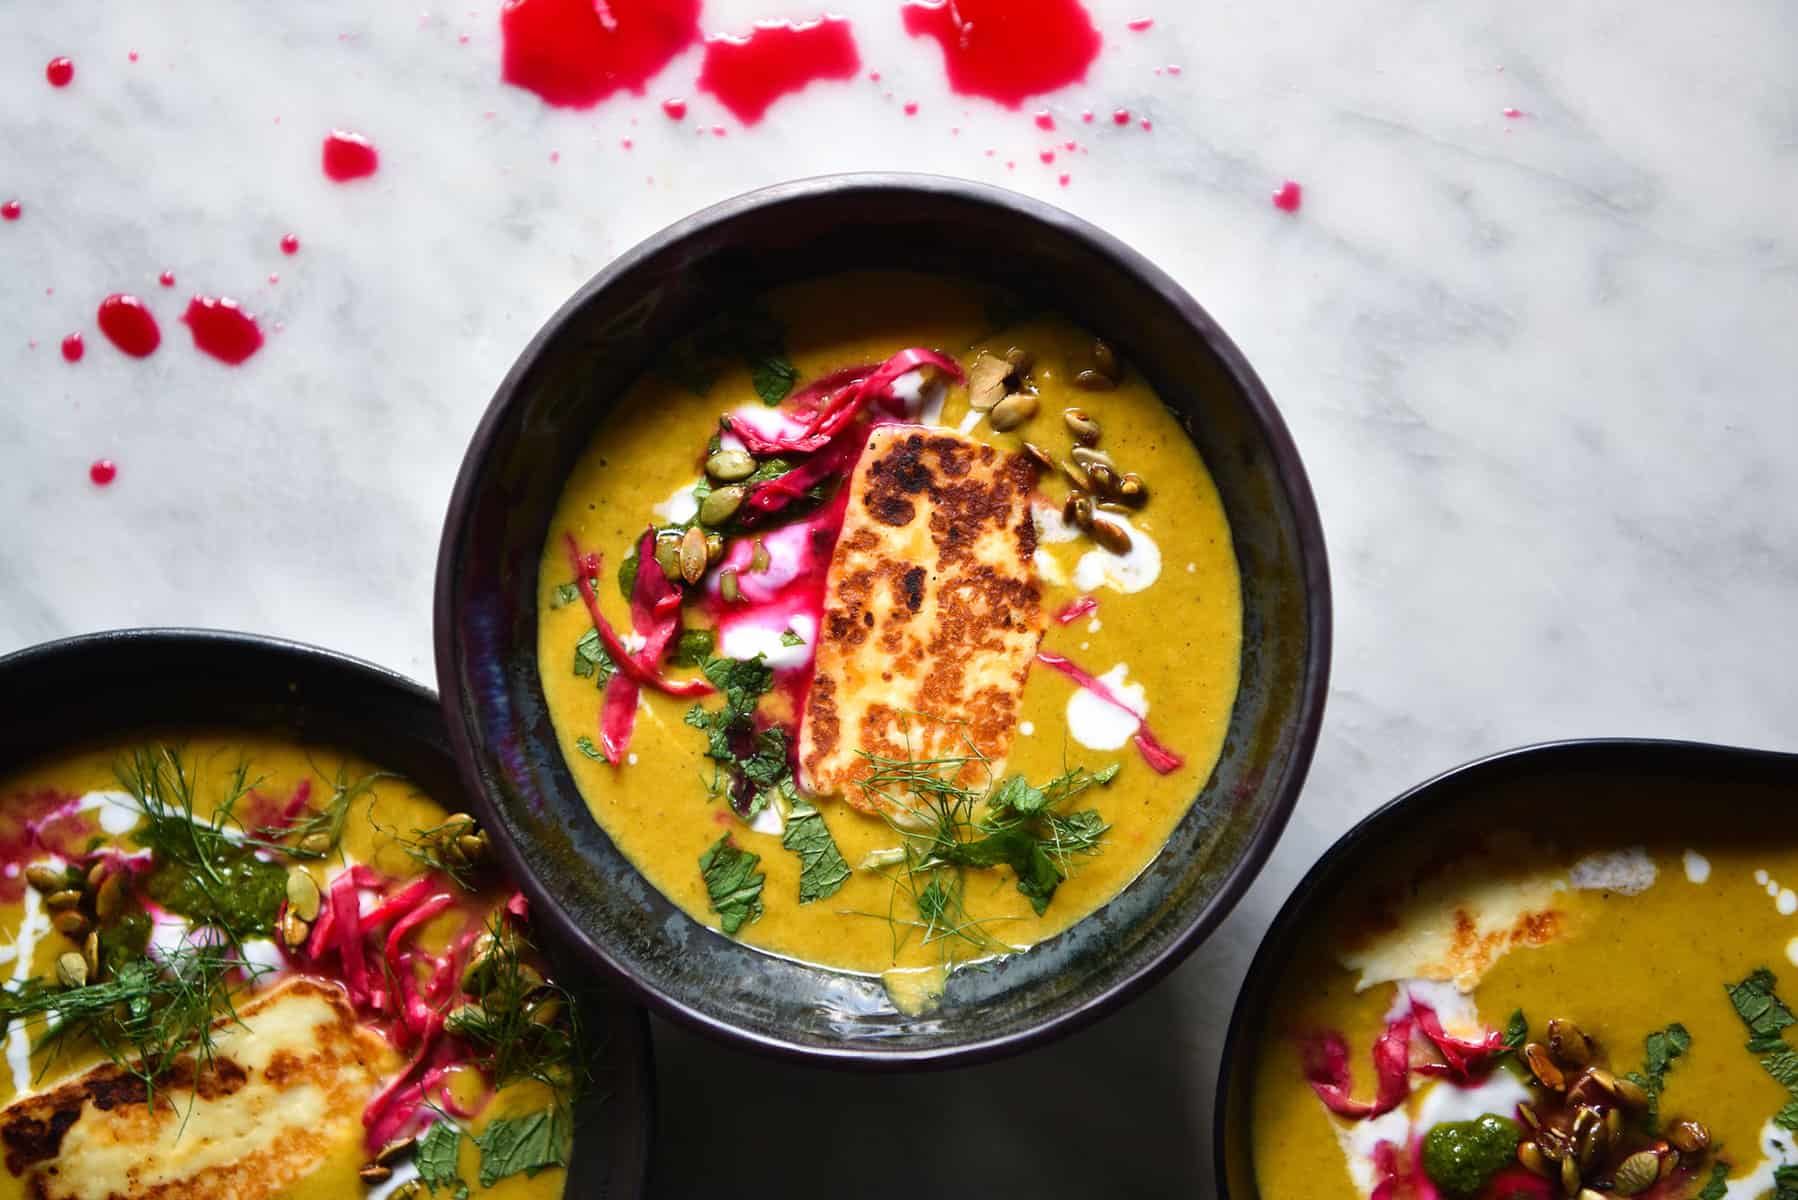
[(1541, 370)]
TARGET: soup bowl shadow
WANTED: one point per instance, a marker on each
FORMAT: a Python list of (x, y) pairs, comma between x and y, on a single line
[(108, 687), (577, 369), (1725, 775)]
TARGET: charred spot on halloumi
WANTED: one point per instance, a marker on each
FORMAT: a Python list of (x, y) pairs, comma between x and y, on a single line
[(932, 612)]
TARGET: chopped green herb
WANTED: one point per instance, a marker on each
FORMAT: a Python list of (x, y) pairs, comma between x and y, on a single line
[(1038, 876), (789, 638), (694, 647), (822, 869), (518, 1025), (1461, 1156), (523, 1145), (1660, 1050), (773, 377), (772, 468), (1718, 1186), (733, 883), (1107, 773), (437, 1157), (585, 745), (751, 763), (1517, 1031), (1785, 1183), (1765, 1015), (1787, 1116), (627, 574), (564, 595), (591, 659)]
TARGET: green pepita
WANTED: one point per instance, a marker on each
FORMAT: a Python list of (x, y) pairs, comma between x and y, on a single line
[(759, 558), (1637, 1173), (71, 924), (720, 505), (714, 548), (1083, 427), (1012, 412), (63, 900), (316, 844), (1110, 536), (1094, 381), (1105, 360), (395, 1150), (90, 953), (71, 969), (692, 554), (302, 894), (45, 879), (668, 554), (375, 1173), (294, 929), (108, 897), (729, 466), (728, 587)]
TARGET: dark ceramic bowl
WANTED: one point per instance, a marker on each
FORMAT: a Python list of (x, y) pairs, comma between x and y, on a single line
[(1599, 769), (544, 414), (65, 694)]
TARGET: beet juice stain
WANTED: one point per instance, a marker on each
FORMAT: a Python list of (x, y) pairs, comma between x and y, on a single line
[(1008, 50), (348, 156), (222, 329), (575, 53), (128, 325), (747, 74)]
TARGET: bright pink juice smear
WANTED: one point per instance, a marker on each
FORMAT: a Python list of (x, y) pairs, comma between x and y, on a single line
[(222, 329), (575, 53), (748, 74), (348, 156), (129, 325), (1008, 50)]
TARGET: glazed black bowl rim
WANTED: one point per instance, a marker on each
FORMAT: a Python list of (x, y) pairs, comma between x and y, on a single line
[(1276, 942), (77, 648), (1284, 464)]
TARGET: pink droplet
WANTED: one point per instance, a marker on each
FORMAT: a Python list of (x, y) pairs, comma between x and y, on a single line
[(1140, 24), (348, 156), (626, 143), (1288, 196), (1513, 113), (675, 107), (1087, 116), (1045, 120), (103, 471), (555, 156), (1066, 179), (1121, 117), (1146, 124), (132, 56), (873, 76), (462, 38), (1048, 156), (1070, 145), (11, 210), (1173, 68), (166, 279), (73, 348), (719, 131), (59, 72), (911, 108), (290, 244)]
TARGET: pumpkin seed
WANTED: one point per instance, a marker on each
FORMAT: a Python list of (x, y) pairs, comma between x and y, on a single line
[(1112, 506), (90, 953), (71, 969), (1630, 1093), (294, 929), (473, 847), (317, 844), (1536, 1057), (729, 466), (70, 923), (692, 554), (1080, 511), (1589, 1138), (1105, 360), (668, 554), (1528, 1113), (1613, 1125), (1041, 457), (1637, 1173), (1533, 1160), (1568, 1043), (1669, 1163), (1689, 1137), (395, 1150), (46, 879), (95, 874), (759, 558), (412, 1189), (1020, 359), (1083, 427), (1132, 489), (465, 1016), (1012, 412), (1086, 457), (545, 1012), (714, 548), (1110, 536), (1076, 476), (375, 1173), (986, 381), (721, 505), (302, 894), (1570, 1180), (1587, 1193), (1094, 381), (728, 587), (1105, 480), (65, 899), (480, 965), (108, 897)]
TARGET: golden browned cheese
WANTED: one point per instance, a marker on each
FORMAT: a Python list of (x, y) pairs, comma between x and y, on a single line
[(283, 1091), (932, 613)]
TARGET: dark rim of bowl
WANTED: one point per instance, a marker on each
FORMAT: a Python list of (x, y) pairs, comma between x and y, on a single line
[(1277, 942), (78, 652), (1285, 464)]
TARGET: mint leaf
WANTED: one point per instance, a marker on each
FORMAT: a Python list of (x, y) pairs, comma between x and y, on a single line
[(522, 1145), (1517, 1031), (1718, 1187), (437, 1157), (585, 745), (773, 377), (1760, 1010), (694, 647), (1660, 1050), (1783, 1066), (1107, 773), (591, 659), (822, 869), (1077, 833), (627, 574), (733, 883), (789, 638), (1017, 795), (1038, 876), (772, 468), (565, 594), (1787, 1117)]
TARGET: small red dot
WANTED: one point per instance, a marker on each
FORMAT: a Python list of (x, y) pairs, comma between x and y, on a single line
[(166, 279), (290, 244), (1289, 196), (462, 39), (1048, 156), (873, 76), (627, 143), (132, 56), (1121, 117), (273, 277), (719, 131), (676, 108), (59, 72), (1173, 68), (1066, 179), (1513, 113), (1140, 25), (103, 472), (911, 108), (555, 156), (11, 210), (1087, 116), (73, 348), (1045, 120), (1145, 123)]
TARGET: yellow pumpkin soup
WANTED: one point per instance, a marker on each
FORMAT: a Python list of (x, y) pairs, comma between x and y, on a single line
[(887, 634), (238, 966), (1544, 995)]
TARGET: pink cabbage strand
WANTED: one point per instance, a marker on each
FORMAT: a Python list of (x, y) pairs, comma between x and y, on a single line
[(1160, 759)]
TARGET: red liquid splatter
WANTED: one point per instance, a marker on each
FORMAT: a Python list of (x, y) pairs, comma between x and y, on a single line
[(103, 472), (222, 329), (1121, 117), (748, 74), (911, 108), (129, 325), (1289, 196), (290, 244), (1513, 113), (1045, 119), (132, 56), (11, 210), (1066, 179), (348, 156), (1087, 116), (676, 109), (166, 279), (1173, 68), (1140, 25), (1008, 50), (575, 53), (59, 72), (1048, 156), (73, 348), (1146, 123)]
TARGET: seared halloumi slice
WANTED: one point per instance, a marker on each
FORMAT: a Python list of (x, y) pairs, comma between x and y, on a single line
[(284, 1093), (932, 614)]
